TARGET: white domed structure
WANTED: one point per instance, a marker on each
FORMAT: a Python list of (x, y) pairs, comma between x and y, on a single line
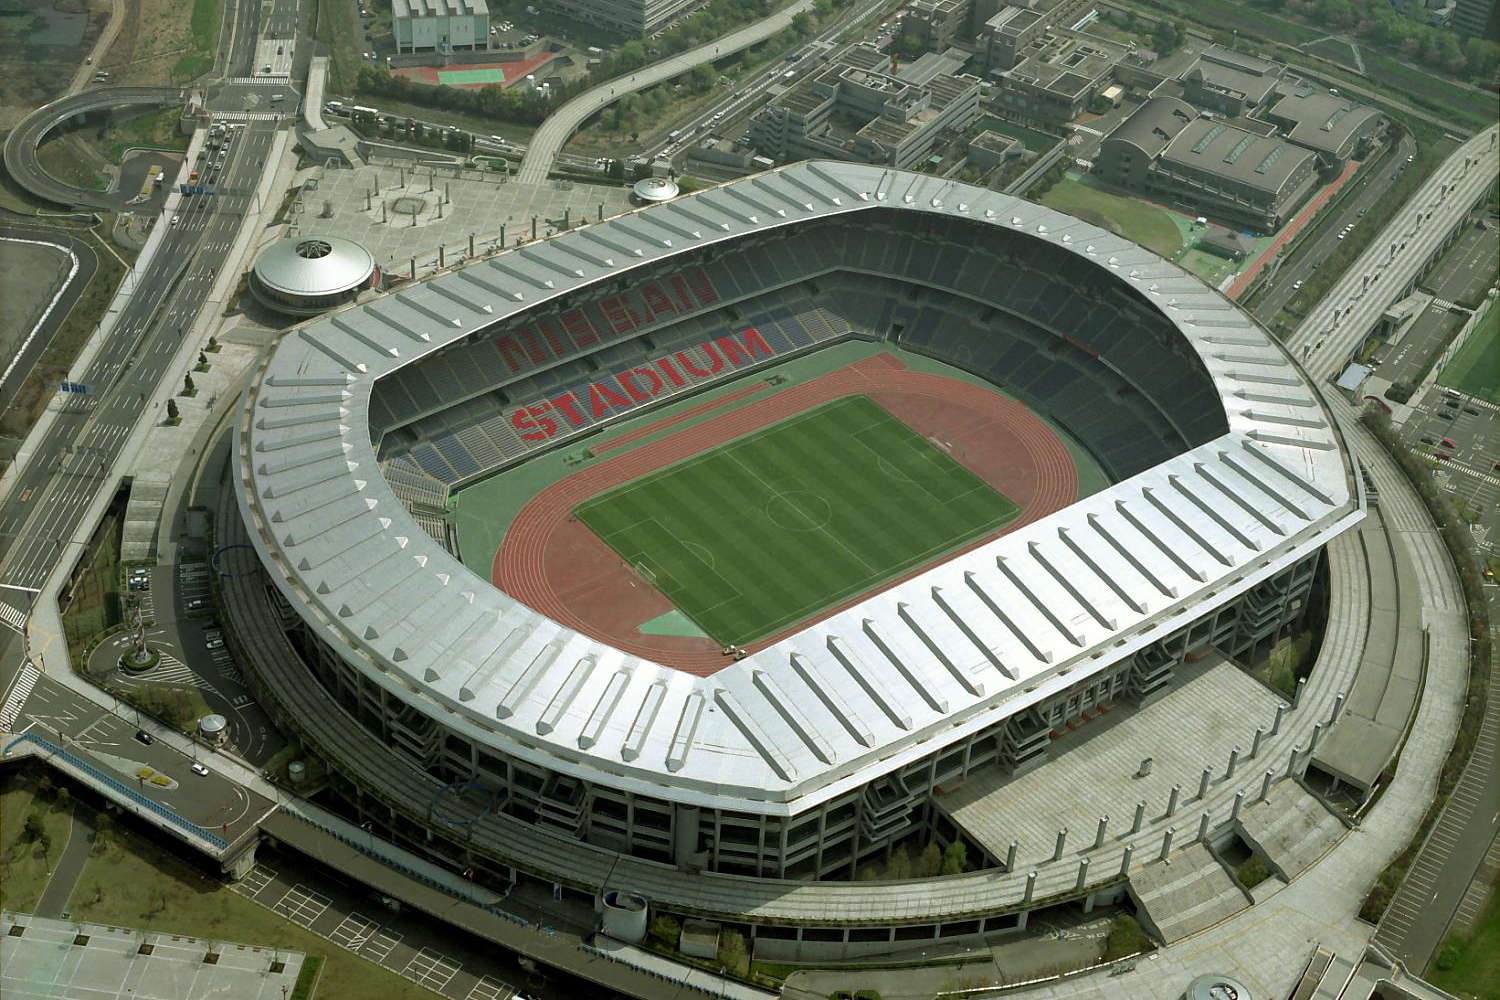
[(649, 190), (309, 274)]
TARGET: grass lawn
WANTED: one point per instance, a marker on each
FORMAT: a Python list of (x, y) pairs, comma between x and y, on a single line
[(1135, 220), (1476, 368), (1037, 142), (337, 25), (23, 867), (1210, 268), (157, 130), (97, 602), (205, 26), (758, 534), (1473, 963), (120, 886)]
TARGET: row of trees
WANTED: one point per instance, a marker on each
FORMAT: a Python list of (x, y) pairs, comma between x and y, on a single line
[(931, 860), (1407, 33)]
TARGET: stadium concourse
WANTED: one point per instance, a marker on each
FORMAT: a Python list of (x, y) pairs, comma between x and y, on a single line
[(1000, 622)]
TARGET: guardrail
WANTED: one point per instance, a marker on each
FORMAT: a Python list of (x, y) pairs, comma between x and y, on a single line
[(119, 787)]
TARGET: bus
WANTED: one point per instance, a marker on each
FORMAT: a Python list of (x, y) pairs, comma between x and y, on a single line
[(334, 107), (361, 113)]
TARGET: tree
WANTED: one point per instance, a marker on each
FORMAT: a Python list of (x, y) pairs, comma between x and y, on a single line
[(899, 866), (188, 388), (44, 787), (955, 859), (1125, 938), (732, 952), (665, 931), (802, 24), (213, 344), (700, 78), (930, 861), (202, 358), (64, 798), (172, 410), (33, 827), (1167, 36)]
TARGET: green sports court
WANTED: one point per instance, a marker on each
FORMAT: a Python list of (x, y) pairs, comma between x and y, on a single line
[(766, 530)]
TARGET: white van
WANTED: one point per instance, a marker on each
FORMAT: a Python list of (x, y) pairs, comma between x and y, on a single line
[(277, 98), (675, 134)]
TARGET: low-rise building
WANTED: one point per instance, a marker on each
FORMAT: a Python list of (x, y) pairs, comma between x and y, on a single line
[(1061, 72), (1229, 82), (933, 25), (989, 148), (439, 25), (1334, 127), (1006, 29), (851, 111), (1165, 150)]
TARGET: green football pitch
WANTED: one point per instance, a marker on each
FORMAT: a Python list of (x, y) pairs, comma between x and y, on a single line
[(768, 529)]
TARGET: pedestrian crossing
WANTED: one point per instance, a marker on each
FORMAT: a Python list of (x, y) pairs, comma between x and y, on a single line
[(13, 617), (18, 695), (252, 81), (171, 670), (247, 116)]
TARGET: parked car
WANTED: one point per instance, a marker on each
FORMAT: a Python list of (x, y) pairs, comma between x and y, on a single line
[(199, 769), (141, 736), (215, 643)]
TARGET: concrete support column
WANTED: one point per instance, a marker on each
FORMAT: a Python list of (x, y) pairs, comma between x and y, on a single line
[(1276, 724), (1260, 734), (1083, 874), (1234, 758), (1265, 785), (1291, 762), (1297, 698), (1338, 709), (442, 257), (1203, 826), (1140, 814), (1172, 799), (502, 236), (1010, 855), (533, 236), (1030, 887), (471, 244), (1062, 839), (1239, 800), (1099, 834), (1203, 780), (1166, 843), (1317, 734), (1125, 858)]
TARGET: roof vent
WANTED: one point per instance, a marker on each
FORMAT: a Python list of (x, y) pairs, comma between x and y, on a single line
[(313, 249)]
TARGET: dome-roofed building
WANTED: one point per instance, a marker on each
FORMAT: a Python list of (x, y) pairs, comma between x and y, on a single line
[(309, 274), (649, 190)]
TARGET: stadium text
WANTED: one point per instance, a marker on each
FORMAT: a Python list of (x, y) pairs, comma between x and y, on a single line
[(666, 374)]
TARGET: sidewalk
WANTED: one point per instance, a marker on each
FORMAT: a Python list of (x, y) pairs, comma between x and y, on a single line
[(1291, 229)]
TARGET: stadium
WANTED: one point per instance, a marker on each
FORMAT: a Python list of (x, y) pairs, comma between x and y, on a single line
[(692, 553)]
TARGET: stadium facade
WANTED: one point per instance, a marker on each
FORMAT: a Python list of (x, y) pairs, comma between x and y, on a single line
[(406, 671)]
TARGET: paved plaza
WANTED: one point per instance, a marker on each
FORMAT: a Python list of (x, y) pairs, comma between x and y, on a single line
[(48, 959), (1091, 773), (397, 212)]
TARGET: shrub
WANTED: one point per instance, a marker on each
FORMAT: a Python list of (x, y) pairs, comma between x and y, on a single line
[(1125, 938), (733, 954), (1252, 871), (955, 859), (665, 931)]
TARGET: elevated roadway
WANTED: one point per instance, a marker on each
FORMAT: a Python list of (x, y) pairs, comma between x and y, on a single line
[(25, 168), (548, 140)]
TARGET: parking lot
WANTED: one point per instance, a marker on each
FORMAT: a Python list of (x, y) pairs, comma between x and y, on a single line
[(1463, 436), (1469, 267), (352, 918)]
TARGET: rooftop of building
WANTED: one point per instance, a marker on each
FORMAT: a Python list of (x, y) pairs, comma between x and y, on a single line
[(932, 64), (1154, 124), (992, 141), (1219, 148), (1231, 72), (1322, 120), (1067, 62), (439, 8)]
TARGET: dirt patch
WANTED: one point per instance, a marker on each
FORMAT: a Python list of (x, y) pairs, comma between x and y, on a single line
[(555, 564)]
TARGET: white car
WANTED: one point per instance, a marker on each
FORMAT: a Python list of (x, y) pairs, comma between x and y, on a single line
[(1296, 285), (199, 769), (176, 219)]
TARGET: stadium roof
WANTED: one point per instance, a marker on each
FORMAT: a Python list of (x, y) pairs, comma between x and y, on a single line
[(885, 682)]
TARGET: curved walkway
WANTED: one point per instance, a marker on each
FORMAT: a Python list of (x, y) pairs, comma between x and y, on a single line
[(549, 137), (21, 145)]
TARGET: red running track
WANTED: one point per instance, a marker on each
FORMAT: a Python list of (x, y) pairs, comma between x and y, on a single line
[(556, 565)]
